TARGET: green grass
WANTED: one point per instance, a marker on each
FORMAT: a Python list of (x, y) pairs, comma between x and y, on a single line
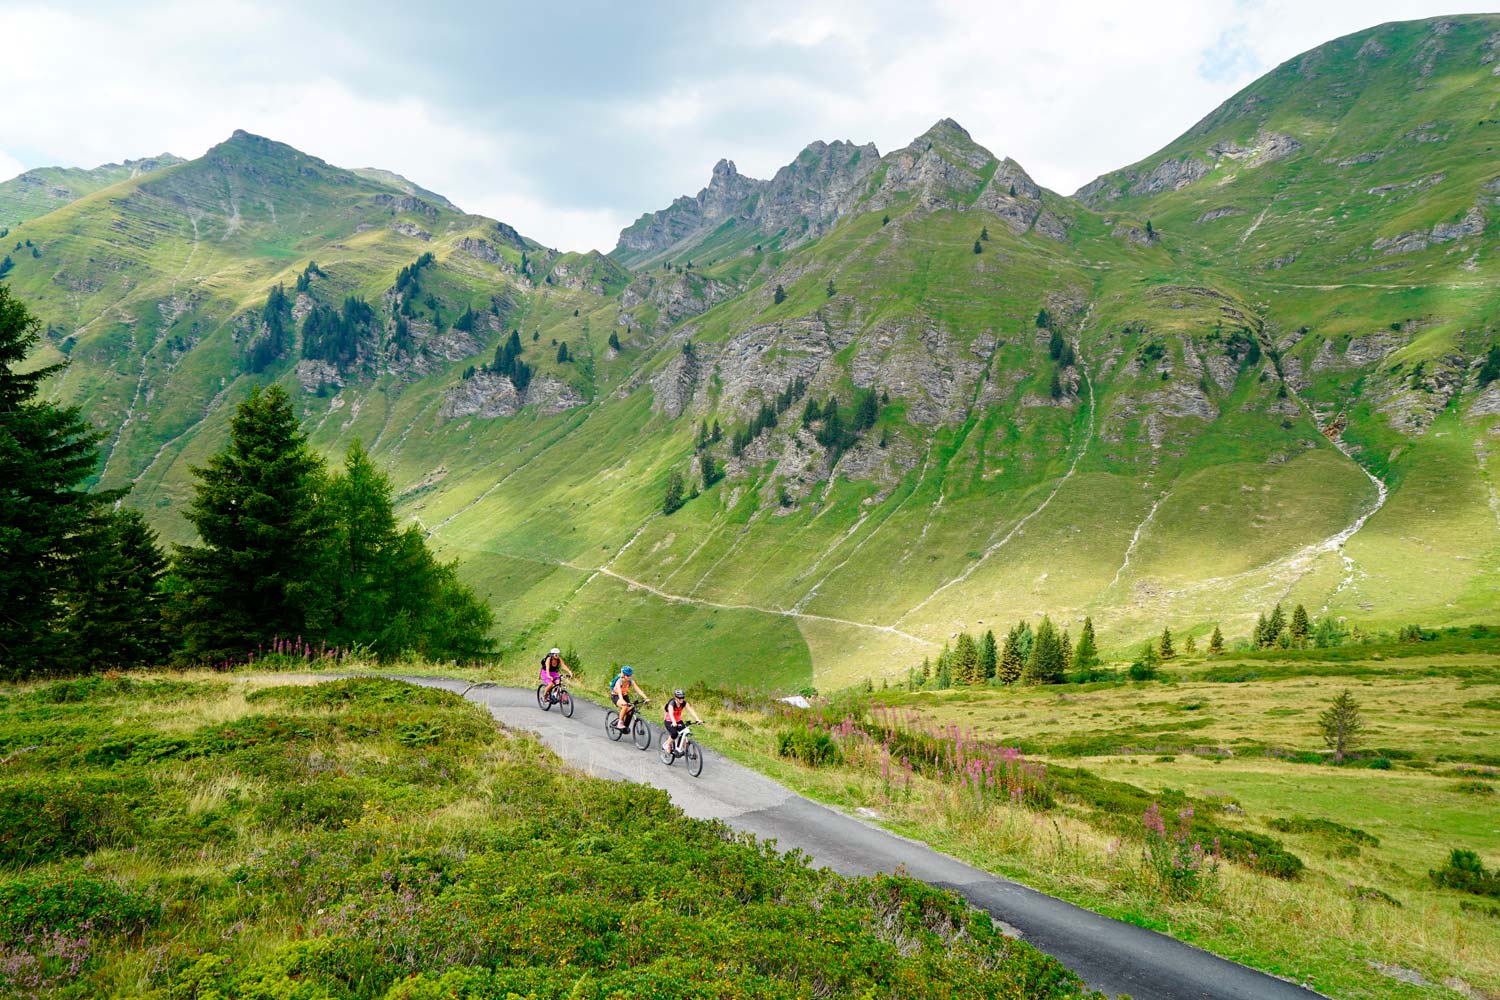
[(194, 836), (1248, 758)]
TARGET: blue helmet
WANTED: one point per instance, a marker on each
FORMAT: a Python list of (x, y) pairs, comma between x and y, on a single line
[(626, 671)]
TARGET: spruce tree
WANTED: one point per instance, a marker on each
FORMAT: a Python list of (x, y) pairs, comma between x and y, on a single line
[(711, 472), (966, 660), (984, 233), (1301, 628), (779, 296), (1045, 666), (1259, 636), (1066, 643), (1275, 624), (1086, 654), (1341, 726), (1011, 664), (1216, 641), (989, 657), (113, 618), (1055, 345), (264, 535), (673, 500), (1164, 647), (614, 341), (832, 291), (1055, 389), (46, 454), (362, 530), (978, 247), (1190, 646)]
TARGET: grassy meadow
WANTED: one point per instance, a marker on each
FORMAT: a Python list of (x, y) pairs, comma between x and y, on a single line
[(222, 836), (1235, 740)]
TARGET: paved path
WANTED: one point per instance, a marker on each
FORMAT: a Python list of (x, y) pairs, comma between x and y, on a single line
[(1111, 956)]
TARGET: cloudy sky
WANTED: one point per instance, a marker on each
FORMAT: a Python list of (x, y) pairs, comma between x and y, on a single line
[(568, 120)]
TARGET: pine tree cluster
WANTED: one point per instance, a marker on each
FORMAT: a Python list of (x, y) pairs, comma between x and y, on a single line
[(284, 547), (508, 362), (1043, 655)]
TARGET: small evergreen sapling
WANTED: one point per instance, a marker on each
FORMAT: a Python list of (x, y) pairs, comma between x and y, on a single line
[(1341, 726)]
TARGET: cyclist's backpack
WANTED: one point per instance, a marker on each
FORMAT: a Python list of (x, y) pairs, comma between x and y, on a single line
[(551, 663)]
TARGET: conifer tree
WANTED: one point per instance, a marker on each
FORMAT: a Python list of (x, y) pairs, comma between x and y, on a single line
[(1216, 641), (1045, 666), (1341, 726), (113, 600), (978, 247), (673, 500), (1300, 627), (832, 291), (779, 296), (1164, 647), (1086, 653), (1012, 664), (1043, 319), (614, 340), (966, 660), (362, 531), (1275, 624), (264, 534), (1066, 643), (46, 453), (989, 657), (984, 233), (1055, 389), (1190, 646), (1055, 345), (1259, 636), (562, 353), (711, 473)]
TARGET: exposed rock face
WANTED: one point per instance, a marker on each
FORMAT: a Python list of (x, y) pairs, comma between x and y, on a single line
[(1219, 213), (676, 297), (406, 204), (1472, 224), (727, 194), (943, 167), (488, 395), (822, 182), (1177, 173), (674, 386)]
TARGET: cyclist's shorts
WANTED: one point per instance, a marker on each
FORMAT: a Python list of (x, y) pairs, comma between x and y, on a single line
[(550, 676)]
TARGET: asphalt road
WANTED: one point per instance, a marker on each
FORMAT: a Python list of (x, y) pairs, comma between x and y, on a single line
[(1111, 956)]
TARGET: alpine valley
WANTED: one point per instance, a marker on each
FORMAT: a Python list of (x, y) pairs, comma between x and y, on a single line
[(1259, 365)]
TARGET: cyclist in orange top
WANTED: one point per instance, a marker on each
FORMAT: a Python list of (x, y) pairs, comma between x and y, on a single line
[(620, 691), (672, 715)]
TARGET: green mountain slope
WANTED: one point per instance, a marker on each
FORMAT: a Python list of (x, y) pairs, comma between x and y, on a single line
[(45, 189), (1248, 369)]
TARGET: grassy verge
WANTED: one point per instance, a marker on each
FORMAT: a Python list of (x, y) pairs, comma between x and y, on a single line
[(212, 837), (1239, 762)]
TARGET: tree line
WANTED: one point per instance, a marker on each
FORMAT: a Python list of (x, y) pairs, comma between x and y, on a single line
[(1040, 655), (286, 547)]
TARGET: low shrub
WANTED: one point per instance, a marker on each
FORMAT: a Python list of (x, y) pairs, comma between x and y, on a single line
[(41, 903), (50, 817), (1326, 828), (1369, 894), (1466, 873), (1474, 788), (813, 747)]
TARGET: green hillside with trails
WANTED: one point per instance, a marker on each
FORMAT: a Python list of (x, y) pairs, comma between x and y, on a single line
[(1247, 369)]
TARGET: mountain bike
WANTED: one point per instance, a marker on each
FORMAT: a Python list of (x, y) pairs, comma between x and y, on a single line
[(684, 746), (640, 729), (559, 697)]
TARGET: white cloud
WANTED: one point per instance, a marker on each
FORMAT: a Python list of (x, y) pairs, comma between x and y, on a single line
[(572, 151)]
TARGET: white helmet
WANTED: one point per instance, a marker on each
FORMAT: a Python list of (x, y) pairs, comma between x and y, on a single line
[(555, 652)]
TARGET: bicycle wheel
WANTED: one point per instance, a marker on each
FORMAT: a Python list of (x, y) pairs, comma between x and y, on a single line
[(694, 757), (640, 732), (610, 718), (542, 701), (565, 702), (667, 756)]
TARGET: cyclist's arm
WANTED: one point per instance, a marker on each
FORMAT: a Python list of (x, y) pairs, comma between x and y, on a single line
[(566, 669), (641, 691)]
